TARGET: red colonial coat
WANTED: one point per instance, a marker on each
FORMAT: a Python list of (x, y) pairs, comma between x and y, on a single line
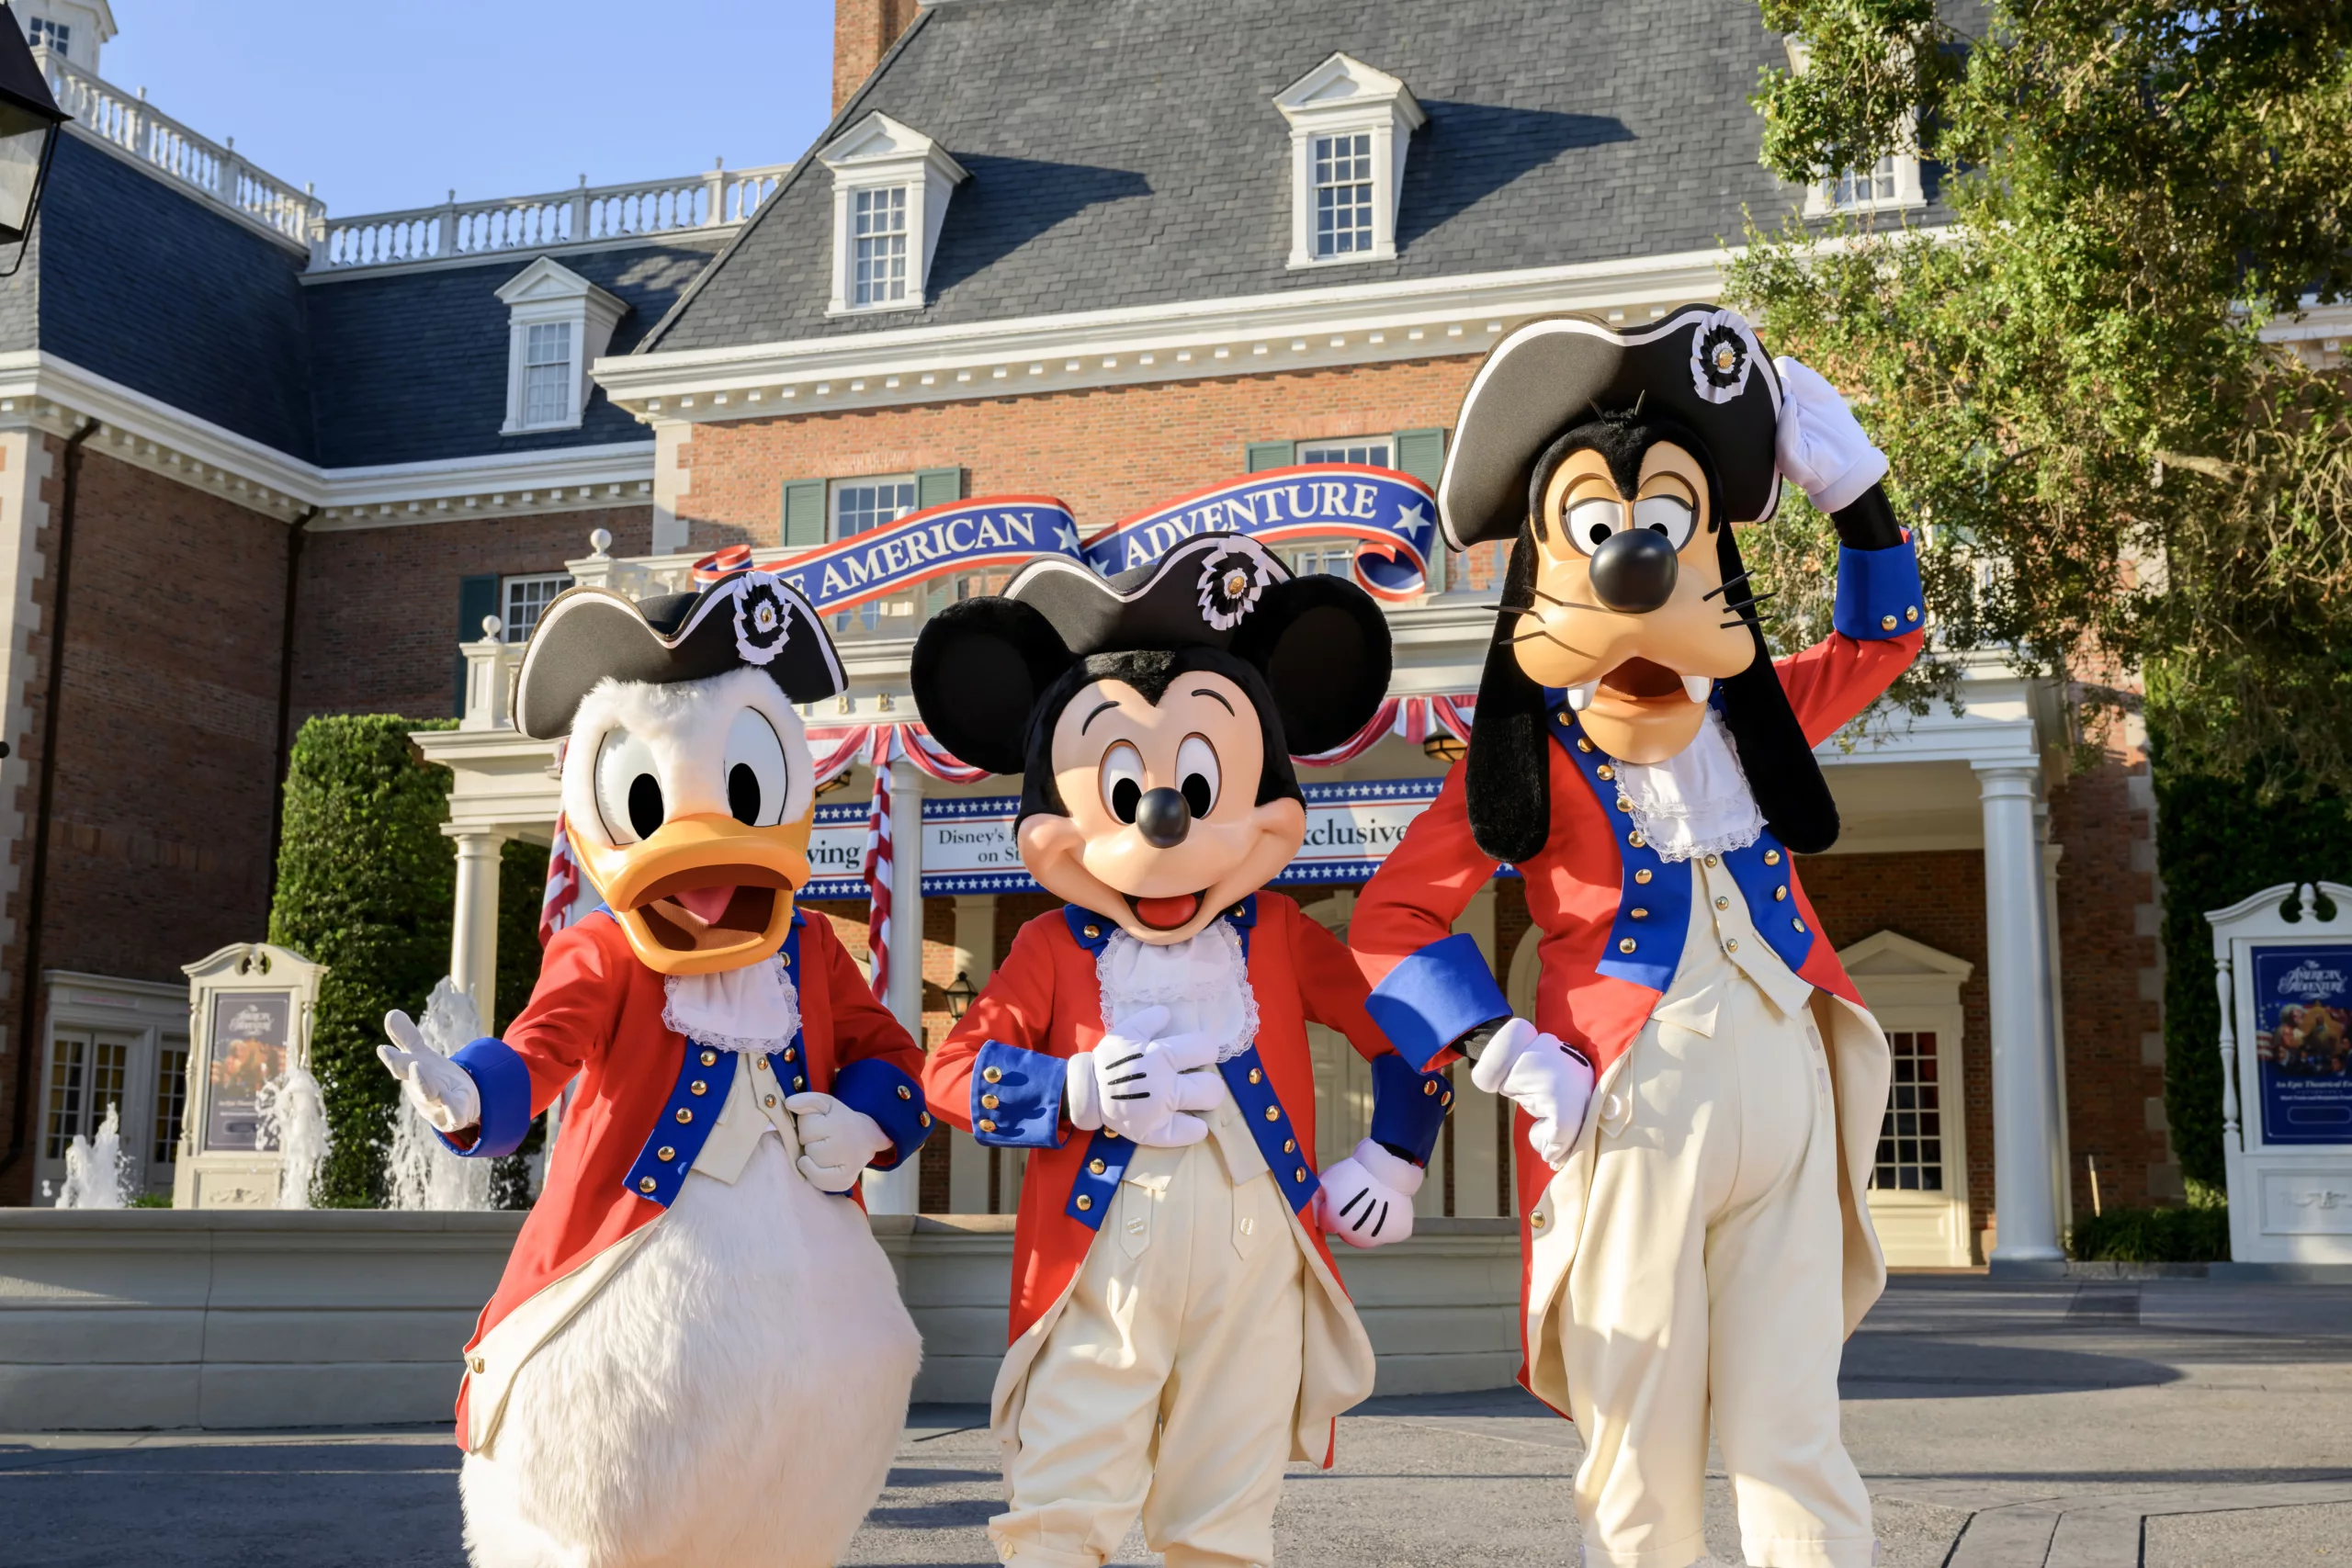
[(596, 1012), (1045, 997)]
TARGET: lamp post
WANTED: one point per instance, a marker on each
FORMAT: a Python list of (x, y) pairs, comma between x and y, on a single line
[(959, 995), (28, 120)]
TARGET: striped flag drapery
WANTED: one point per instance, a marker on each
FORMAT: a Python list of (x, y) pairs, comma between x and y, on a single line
[(875, 870), (563, 886)]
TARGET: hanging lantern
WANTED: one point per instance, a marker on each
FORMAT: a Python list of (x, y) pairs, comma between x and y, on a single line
[(28, 120)]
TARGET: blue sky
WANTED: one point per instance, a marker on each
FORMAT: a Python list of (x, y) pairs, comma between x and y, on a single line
[(389, 106)]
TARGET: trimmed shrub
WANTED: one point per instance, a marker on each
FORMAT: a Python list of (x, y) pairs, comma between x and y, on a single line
[(2153, 1235), (364, 884)]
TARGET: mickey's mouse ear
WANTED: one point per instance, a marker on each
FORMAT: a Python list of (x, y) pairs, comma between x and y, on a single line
[(1322, 644), (979, 666)]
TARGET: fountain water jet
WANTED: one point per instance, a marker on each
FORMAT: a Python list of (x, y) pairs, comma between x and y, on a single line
[(293, 1121), (97, 1173)]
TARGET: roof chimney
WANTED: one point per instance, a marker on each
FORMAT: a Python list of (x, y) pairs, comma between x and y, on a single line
[(864, 31)]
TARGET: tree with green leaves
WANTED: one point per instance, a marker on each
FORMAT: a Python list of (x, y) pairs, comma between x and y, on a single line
[(2123, 483)]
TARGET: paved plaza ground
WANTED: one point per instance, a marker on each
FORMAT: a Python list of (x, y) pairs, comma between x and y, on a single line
[(2175, 1423)]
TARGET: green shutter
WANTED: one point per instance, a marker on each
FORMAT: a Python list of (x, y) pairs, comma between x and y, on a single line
[(804, 512), (1270, 455), (938, 487), (1421, 453), (477, 597)]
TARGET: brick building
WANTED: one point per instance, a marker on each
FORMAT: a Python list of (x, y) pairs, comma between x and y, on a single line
[(1112, 253)]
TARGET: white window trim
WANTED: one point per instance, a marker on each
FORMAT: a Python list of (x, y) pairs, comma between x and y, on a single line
[(875, 154), (148, 1011), (834, 489), (1343, 96), (1908, 193), (547, 292), (1910, 987), (506, 586)]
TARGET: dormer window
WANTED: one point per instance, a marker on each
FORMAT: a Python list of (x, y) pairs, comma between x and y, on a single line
[(1892, 182), (557, 323), (1349, 127), (46, 34), (891, 186)]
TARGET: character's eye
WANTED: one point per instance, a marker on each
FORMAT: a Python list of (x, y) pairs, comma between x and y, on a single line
[(628, 788), (756, 778), (1196, 774), (1122, 781), (1590, 522), (1669, 514)]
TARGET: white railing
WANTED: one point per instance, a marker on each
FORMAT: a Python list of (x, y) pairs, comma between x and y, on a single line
[(202, 165), (457, 228)]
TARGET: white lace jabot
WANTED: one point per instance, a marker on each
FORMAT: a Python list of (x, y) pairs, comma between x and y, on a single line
[(1204, 982), (1697, 801), (753, 1009)]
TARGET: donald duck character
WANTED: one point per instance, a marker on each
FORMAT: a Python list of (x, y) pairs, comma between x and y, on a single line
[(1178, 1330), (1695, 1233), (697, 1355)]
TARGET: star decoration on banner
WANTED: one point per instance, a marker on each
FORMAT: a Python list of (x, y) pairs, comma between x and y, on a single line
[(1066, 537), (1415, 515)]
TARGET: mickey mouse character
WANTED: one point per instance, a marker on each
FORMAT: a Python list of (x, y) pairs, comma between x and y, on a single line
[(693, 1296), (1694, 1238), (1178, 1329)]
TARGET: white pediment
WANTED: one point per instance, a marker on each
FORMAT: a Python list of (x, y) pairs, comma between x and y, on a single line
[(549, 282), (1343, 85), (879, 139), (1888, 956)]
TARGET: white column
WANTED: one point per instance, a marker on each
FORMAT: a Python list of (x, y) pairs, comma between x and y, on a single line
[(899, 1191), (473, 941), (2062, 1151), (967, 1168), (2024, 1107)]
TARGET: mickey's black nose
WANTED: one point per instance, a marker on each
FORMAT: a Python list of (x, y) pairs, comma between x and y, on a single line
[(1633, 572), (1163, 818)]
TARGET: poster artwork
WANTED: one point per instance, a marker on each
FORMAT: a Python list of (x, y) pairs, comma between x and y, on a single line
[(250, 1031), (2303, 1009)]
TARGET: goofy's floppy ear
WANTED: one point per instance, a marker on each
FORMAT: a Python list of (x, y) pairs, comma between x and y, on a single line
[(1508, 775), (1322, 644), (979, 666)]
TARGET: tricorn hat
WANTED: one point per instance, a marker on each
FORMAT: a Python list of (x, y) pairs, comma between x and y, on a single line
[(746, 619), (1321, 644), (1699, 365)]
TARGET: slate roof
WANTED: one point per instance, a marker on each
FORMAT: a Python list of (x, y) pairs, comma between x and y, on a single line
[(1127, 153)]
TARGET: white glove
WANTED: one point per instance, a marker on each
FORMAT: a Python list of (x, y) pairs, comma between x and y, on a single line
[(1367, 1198), (441, 1090), (837, 1142), (1821, 446), (1140, 1086), (1542, 1077)]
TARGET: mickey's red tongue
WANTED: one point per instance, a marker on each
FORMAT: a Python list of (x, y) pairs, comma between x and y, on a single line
[(1167, 914), (705, 904)]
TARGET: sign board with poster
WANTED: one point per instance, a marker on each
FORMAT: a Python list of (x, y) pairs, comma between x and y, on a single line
[(249, 1007), (2283, 960)]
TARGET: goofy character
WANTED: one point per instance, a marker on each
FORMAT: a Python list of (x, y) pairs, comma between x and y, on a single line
[(694, 1298), (1178, 1330), (1695, 1241)]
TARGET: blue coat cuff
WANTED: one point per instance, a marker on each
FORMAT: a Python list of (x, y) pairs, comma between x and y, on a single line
[(893, 1099), (1878, 593), (1017, 1098), (505, 1085), (1407, 1107), (1435, 997)]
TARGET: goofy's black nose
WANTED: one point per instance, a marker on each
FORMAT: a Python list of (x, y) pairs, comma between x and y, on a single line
[(1163, 818), (1633, 572)]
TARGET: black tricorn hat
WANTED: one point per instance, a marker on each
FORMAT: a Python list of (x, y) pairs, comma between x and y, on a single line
[(1699, 365), (1321, 644), (747, 620)]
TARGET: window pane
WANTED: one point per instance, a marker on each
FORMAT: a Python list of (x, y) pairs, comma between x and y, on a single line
[(68, 1058), (526, 598), (1356, 449), (860, 504), (171, 1101), (546, 373), (1910, 1148), (878, 246), (1342, 194)]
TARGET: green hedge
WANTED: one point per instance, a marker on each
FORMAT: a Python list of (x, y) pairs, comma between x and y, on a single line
[(2217, 840), (522, 883), (366, 879), (2153, 1235)]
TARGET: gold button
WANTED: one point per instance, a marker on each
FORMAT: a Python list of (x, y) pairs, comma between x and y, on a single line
[(992, 1074), (987, 1125), (1256, 1075), (1732, 946), (710, 1058), (770, 1103), (1236, 911), (1911, 613), (1606, 773), (1713, 860), (923, 1119), (697, 1087), (478, 1364), (1097, 1167), (684, 1116), (1722, 902), (762, 1062), (1625, 944), (1887, 623), (1429, 1087), (1290, 1145), (1299, 1175), (1446, 1098), (1582, 744), (645, 1184), (1273, 1114), (799, 1082), (905, 1093), (790, 1055), (1643, 878), (1635, 839), (1084, 1202), (1093, 932), (1781, 893), (1109, 1136), (988, 1102), (1624, 803), (1772, 857), (1536, 1219), (785, 959), (1799, 924), (1639, 914), (665, 1153)]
